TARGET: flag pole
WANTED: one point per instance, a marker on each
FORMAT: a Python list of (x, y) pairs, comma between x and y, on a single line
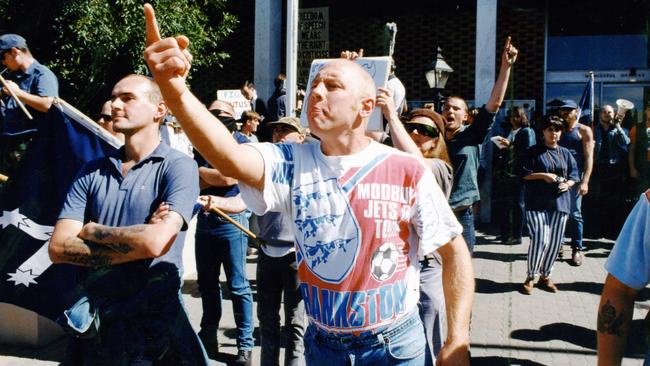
[(591, 97)]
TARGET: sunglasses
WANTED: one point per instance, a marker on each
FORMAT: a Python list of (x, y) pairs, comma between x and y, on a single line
[(422, 129), (106, 117)]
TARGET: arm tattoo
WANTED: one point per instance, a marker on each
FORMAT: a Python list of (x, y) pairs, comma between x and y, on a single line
[(122, 248), (101, 234), (85, 254), (608, 321)]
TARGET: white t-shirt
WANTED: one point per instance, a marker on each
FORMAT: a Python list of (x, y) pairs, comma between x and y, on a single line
[(361, 223)]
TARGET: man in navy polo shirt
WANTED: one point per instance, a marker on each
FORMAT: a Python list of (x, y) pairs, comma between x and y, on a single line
[(130, 310), (34, 84)]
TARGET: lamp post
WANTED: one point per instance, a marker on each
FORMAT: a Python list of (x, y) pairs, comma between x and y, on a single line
[(437, 74)]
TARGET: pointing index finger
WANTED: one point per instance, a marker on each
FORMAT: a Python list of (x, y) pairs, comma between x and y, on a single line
[(151, 25)]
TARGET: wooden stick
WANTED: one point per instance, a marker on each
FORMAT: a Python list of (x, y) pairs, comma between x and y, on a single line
[(13, 95), (230, 220)]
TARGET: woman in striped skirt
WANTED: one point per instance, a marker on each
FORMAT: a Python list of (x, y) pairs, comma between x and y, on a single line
[(549, 171)]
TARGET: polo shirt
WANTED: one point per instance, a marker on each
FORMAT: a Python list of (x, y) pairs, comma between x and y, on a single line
[(101, 194), (37, 80)]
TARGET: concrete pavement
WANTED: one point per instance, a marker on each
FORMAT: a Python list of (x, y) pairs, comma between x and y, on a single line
[(508, 328)]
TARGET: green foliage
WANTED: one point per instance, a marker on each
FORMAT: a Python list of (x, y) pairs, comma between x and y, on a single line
[(98, 41)]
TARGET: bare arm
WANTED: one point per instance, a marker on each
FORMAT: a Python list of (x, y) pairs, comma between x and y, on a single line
[(588, 151), (231, 205), (458, 286), (614, 317), (211, 177), (508, 58), (66, 247), (41, 104), (401, 138), (169, 62)]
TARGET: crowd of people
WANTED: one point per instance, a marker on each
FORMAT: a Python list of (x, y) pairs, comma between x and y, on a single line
[(367, 247)]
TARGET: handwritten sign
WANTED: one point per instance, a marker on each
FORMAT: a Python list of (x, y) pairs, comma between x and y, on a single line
[(377, 67), (237, 100)]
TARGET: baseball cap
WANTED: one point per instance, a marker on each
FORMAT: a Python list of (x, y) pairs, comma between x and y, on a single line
[(569, 104), (289, 121), (10, 40)]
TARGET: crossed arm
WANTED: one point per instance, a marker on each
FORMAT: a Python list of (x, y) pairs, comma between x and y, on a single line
[(95, 245)]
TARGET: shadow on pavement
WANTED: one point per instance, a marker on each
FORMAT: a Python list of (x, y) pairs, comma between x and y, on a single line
[(484, 286), (582, 337), (502, 361), (587, 287), (501, 257)]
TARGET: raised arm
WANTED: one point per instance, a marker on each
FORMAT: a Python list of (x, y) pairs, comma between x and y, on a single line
[(169, 62), (508, 58), (401, 138)]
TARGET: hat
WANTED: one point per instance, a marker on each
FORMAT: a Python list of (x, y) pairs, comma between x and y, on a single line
[(10, 40), (289, 121), (438, 121), (568, 104)]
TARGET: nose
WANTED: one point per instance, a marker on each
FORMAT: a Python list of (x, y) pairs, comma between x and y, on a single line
[(318, 91)]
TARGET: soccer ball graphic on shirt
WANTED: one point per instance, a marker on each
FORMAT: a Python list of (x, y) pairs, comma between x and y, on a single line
[(384, 261)]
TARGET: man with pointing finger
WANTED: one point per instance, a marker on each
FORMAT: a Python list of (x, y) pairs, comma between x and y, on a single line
[(362, 215)]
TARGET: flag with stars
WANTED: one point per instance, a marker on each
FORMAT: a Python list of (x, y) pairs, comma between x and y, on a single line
[(30, 204)]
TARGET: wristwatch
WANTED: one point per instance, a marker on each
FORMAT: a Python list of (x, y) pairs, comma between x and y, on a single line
[(559, 179)]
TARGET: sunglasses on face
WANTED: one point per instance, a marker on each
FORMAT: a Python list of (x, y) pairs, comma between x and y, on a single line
[(106, 117), (421, 129)]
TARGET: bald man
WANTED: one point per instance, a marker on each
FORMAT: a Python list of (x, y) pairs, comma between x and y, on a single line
[(130, 311), (363, 214)]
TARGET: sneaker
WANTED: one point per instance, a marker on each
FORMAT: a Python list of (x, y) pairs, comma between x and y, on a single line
[(546, 284), (527, 286), (244, 358), (251, 251), (576, 257)]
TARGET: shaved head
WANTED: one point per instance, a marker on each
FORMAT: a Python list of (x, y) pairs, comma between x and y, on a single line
[(362, 80)]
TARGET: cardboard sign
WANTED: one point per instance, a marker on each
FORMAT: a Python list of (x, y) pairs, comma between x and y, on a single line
[(377, 67), (237, 100)]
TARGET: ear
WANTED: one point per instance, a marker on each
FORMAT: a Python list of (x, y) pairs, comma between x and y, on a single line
[(367, 106), (161, 110)]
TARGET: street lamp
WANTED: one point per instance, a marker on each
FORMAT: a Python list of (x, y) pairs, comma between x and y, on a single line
[(437, 74)]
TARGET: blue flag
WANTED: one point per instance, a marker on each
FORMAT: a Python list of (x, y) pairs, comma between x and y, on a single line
[(29, 207), (584, 107)]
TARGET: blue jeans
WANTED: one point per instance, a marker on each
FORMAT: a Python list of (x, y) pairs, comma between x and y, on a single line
[(575, 219), (276, 276), (402, 343), (432, 305), (466, 219), (219, 242)]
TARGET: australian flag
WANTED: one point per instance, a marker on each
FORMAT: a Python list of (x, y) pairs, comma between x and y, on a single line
[(31, 202)]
